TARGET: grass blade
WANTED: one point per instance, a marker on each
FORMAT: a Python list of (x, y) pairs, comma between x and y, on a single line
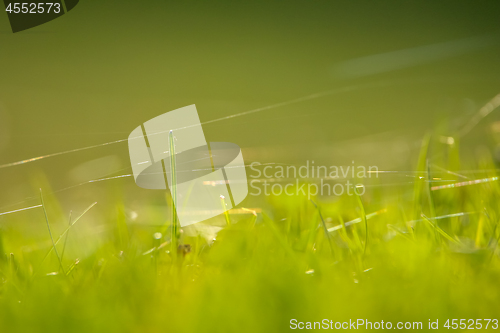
[(50, 233), (363, 217), (173, 172), (224, 209), (325, 229), (270, 223), (421, 167), (66, 238), (67, 229), (441, 231)]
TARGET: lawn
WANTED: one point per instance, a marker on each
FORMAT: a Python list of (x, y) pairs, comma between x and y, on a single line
[(409, 254)]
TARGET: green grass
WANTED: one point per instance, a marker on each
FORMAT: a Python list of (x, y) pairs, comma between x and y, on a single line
[(296, 260)]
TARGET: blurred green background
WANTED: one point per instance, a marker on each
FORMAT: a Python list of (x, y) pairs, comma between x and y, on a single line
[(94, 74)]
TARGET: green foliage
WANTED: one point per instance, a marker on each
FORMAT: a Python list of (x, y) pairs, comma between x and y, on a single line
[(345, 259)]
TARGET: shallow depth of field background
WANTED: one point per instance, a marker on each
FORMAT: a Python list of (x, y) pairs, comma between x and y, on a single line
[(93, 75), (403, 70)]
